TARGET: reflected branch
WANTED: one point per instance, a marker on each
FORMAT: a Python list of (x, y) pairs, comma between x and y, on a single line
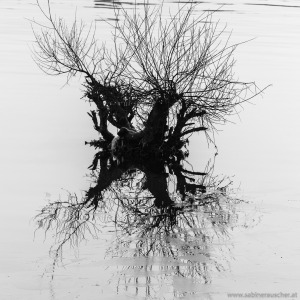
[(160, 217)]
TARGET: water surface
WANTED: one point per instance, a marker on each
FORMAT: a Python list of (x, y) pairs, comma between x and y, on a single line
[(44, 125)]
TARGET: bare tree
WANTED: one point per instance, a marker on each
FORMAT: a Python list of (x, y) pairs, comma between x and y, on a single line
[(164, 79)]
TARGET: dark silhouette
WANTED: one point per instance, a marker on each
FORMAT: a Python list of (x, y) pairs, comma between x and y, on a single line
[(162, 81), (160, 211)]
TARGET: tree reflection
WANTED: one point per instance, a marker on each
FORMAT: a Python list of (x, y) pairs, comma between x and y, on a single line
[(170, 222)]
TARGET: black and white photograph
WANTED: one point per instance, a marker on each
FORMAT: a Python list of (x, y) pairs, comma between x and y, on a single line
[(150, 150)]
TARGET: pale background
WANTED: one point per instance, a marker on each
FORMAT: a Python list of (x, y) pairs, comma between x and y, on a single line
[(43, 126)]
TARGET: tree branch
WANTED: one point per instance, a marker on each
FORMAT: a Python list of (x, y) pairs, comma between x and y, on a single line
[(201, 128)]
